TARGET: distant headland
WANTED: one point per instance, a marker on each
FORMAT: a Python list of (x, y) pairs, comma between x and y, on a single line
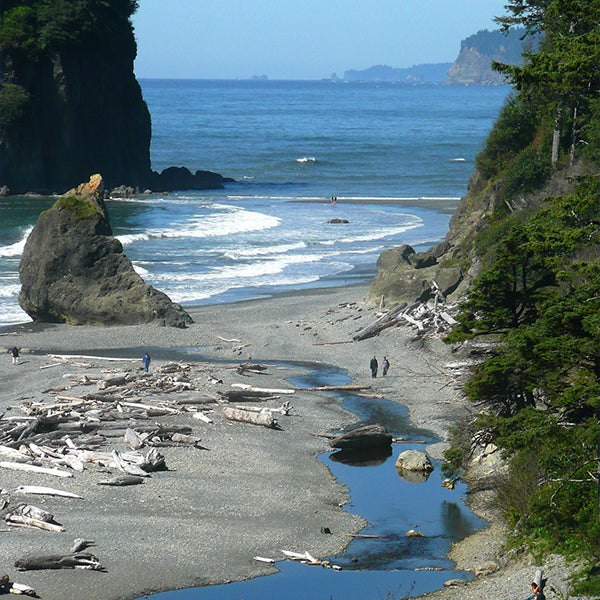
[(472, 66)]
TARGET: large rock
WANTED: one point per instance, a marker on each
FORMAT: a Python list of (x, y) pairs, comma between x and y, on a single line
[(365, 437), (413, 460), (74, 271)]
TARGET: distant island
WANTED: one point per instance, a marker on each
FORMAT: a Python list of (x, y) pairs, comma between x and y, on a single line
[(471, 67)]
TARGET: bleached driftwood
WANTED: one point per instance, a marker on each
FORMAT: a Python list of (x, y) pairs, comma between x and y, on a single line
[(266, 419), (15, 466), (42, 490), (387, 320), (25, 521), (245, 386)]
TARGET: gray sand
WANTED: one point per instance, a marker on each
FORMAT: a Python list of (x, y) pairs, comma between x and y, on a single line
[(253, 491)]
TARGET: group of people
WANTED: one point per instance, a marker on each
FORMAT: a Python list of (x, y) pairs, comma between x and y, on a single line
[(374, 366)]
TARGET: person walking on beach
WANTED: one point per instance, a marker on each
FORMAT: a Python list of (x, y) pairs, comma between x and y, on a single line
[(385, 365), (14, 352), (374, 365), (146, 361)]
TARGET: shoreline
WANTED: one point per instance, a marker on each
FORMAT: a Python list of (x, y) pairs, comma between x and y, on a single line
[(170, 532)]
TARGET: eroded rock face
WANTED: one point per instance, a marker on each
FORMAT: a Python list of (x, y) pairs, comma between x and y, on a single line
[(74, 271)]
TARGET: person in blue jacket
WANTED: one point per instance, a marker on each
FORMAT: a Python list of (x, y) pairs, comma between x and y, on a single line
[(146, 361)]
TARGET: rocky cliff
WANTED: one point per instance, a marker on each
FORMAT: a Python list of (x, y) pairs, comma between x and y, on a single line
[(70, 104), (477, 52), (74, 271), (450, 267)]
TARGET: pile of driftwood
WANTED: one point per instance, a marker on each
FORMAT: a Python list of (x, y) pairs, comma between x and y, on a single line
[(433, 317), (64, 435)]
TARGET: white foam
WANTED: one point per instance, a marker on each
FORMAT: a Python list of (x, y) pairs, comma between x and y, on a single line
[(16, 249), (132, 237), (264, 251), (143, 273), (306, 159)]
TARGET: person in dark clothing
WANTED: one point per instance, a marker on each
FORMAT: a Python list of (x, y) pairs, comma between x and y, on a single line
[(374, 365), (14, 352), (146, 361), (385, 365)]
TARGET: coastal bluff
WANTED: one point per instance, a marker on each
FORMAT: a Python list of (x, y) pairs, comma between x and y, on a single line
[(74, 271), (70, 103)]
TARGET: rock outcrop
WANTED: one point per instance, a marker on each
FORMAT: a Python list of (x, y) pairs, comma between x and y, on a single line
[(70, 104), (74, 271), (473, 66), (449, 268)]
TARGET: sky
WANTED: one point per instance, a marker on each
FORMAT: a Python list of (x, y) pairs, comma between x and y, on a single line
[(300, 39)]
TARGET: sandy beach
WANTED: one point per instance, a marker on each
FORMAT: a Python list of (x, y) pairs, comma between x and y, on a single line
[(249, 490)]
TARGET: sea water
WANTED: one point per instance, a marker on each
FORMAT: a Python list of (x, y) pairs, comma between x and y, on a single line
[(397, 157)]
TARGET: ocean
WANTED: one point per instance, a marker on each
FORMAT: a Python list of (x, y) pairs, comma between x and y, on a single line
[(397, 157)]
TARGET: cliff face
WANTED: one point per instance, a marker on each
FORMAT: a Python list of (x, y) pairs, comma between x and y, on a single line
[(80, 109), (404, 275), (473, 64)]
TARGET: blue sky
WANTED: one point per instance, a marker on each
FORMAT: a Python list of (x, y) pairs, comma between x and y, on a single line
[(300, 39)]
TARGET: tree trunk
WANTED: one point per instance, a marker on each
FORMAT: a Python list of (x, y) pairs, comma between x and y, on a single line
[(556, 136), (573, 137)]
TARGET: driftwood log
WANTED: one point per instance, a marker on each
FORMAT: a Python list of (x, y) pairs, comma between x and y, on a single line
[(59, 561), (264, 418), (387, 320)]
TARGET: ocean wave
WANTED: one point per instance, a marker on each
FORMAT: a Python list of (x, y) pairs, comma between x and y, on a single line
[(129, 238), (10, 290), (306, 159), (263, 251), (16, 249), (12, 313), (230, 220), (143, 273)]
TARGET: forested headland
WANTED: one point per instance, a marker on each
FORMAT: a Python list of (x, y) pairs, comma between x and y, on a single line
[(536, 293)]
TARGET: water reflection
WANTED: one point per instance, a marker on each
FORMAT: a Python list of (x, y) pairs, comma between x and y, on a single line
[(413, 476), (371, 457)]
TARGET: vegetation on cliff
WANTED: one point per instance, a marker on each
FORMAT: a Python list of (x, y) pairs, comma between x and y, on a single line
[(70, 105), (538, 289)]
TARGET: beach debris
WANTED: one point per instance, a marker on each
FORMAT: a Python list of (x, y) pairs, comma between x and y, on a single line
[(249, 388), (80, 560), (25, 521), (436, 316), (284, 409), (11, 587), (263, 559), (242, 395), (45, 491), (308, 559), (338, 388), (122, 480), (264, 418), (244, 368), (80, 544), (34, 469)]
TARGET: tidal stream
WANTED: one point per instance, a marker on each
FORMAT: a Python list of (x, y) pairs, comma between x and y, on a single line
[(389, 565)]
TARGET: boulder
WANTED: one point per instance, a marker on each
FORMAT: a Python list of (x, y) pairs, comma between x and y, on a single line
[(363, 438), (413, 460), (390, 259), (74, 271), (338, 221)]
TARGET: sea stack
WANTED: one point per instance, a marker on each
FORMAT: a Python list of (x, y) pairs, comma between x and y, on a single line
[(74, 271)]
